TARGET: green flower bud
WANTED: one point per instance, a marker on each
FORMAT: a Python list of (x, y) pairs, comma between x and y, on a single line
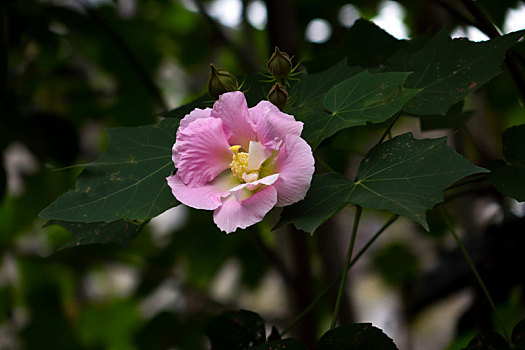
[(279, 65), (278, 95), (220, 81)]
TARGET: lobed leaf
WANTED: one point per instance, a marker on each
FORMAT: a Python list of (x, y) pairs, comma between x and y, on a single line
[(363, 98), (404, 175), (448, 69), (312, 87), (126, 182)]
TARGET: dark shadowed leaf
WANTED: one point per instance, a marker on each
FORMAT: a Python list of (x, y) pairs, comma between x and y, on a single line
[(487, 341), (367, 45), (120, 232), (126, 182), (236, 330), (518, 336), (404, 175), (357, 336), (364, 98), (448, 70), (454, 118), (274, 334), (282, 344), (508, 176)]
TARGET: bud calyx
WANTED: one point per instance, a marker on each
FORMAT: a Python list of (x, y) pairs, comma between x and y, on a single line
[(221, 81), (278, 95), (279, 65)]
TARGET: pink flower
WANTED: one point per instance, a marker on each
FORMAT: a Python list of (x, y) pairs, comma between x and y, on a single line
[(240, 161)]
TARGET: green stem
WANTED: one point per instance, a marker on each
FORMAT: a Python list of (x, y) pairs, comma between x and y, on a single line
[(478, 278), (348, 260), (387, 131), (326, 289)]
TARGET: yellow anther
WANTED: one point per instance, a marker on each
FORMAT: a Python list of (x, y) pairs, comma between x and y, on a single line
[(235, 148), (239, 164)]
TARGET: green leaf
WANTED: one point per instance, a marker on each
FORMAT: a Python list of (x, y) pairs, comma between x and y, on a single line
[(518, 336), (364, 98), (508, 176), (126, 182), (236, 330), (487, 341), (454, 118), (357, 336), (367, 45), (328, 194), (282, 344), (404, 175), (120, 232), (448, 70), (312, 87)]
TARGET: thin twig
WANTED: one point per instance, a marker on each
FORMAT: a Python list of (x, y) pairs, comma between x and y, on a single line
[(387, 131), (483, 23), (326, 289), (348, 260), (453, 11), (478, 277)]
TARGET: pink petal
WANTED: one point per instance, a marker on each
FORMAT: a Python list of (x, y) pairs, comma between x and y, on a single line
[(197, 113), (261, 110), (232, 109), (234, 214), (295, 164), (275, 126), (208, 196), (188, 118), (203, 151)]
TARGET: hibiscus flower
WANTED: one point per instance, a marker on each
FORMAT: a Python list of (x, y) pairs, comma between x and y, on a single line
[(239, 161)]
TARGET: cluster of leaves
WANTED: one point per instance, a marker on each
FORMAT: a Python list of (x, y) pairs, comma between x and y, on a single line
[(116, 195), (241, 330), (403, 175)]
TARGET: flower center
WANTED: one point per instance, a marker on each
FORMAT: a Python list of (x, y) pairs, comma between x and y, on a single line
[(240, 166)]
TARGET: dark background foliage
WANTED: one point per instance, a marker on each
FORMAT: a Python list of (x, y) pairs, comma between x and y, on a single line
[(70, 68)]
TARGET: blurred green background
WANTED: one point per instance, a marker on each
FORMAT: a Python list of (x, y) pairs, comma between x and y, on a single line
[(71, 68)]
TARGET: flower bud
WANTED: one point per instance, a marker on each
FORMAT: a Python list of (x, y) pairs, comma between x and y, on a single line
[(279, 65), (220, 81), (278, 95)]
